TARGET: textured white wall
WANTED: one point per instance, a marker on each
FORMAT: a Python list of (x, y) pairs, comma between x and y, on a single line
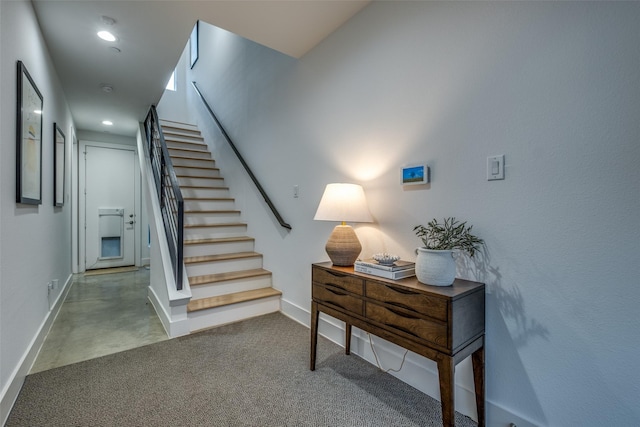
[(553, 86), (35, 241)]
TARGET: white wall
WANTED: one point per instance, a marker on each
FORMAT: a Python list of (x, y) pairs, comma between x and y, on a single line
[(173, 103), (35, 242), (552, 85)]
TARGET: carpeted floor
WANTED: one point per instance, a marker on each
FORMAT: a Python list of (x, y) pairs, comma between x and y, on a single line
[(251, 373)]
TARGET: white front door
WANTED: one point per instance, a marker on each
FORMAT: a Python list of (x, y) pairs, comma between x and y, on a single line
[(109, 207)]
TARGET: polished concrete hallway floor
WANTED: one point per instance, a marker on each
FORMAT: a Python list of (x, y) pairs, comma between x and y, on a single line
[(102, 314)]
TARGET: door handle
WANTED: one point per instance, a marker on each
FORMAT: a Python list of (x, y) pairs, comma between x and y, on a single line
[(130, 222)]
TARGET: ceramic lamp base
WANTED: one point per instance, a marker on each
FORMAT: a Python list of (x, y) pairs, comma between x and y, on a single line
[(343, 246)]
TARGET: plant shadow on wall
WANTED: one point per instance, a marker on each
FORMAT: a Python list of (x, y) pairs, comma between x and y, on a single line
[(509, 301), (507, 321)]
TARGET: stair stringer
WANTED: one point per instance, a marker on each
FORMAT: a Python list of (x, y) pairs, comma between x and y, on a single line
[(169, 303), (225, 276)]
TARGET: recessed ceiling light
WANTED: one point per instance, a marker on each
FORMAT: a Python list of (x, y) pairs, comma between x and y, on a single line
[(106, 35), (114, 49), (106, 88), (107, 122)]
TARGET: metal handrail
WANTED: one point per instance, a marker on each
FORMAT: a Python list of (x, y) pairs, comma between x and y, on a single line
[(244, 164), (169, 194)]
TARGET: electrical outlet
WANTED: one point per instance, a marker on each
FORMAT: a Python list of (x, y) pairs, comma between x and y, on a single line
[(296, 191)]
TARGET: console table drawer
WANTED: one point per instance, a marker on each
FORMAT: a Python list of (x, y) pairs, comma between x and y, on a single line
[(338, 280), (408, 299), (334, 296), (406, 324)]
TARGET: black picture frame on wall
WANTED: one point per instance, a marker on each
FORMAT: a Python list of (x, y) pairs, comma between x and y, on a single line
[(59, 164), (28, 139), (193, 44)]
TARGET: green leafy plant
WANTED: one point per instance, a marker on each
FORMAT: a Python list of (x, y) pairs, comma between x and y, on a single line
[(449, 235)]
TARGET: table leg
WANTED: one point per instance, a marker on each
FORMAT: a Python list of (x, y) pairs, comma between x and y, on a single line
[(477, 360), (347, 339), (446, 369), (314, 335)]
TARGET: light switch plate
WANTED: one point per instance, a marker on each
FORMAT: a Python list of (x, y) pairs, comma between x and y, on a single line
[(495, 167)]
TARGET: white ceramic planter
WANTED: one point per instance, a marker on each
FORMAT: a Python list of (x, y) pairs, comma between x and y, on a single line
[(437, 268)]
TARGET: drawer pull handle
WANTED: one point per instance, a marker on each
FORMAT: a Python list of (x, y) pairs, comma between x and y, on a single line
[(402, 291), (342, 294), (397, 304), (406, 331), (406, 316)]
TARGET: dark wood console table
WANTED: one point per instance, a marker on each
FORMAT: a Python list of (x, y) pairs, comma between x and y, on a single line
[(444, 324)]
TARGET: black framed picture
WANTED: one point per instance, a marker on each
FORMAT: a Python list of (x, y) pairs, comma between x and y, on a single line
[(59, 163), (29, 139), (193, 44)]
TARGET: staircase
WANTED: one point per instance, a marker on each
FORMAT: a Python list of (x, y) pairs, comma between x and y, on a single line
[(225, 274)]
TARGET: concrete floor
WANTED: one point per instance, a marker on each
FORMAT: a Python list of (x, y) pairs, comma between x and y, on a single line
[(102, 314)]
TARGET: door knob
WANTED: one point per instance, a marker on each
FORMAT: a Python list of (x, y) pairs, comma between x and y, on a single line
[(130, 222)]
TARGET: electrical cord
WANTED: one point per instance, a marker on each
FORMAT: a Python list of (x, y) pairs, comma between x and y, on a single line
[(378, 361)]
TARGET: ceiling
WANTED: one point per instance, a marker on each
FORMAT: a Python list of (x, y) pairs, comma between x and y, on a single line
[(151, 37)]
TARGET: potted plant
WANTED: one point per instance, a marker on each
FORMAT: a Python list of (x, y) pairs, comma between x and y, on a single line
[(435, 264)]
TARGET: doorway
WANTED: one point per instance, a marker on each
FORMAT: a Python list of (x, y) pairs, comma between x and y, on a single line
[(110, 205)]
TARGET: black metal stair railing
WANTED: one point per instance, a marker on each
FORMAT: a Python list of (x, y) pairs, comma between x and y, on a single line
[(242, 161), (169, 195)]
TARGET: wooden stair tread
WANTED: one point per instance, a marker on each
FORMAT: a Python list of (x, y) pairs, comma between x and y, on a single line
[(198, 167), (220, 257), (192, 158), (217, 225), (231, 275), (209, 198), (219, 178), (211, 212), (217, 240), (200, 187), (220, 301), (190, 150)]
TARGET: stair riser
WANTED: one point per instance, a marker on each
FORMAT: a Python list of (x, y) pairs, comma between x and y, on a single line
[(197, 172), (201, 182), (232, 313), (188, 153), (229, 287), (209, 205), (202, 163), (226, 266), (189, 135), (214, 232), (203, 249), (211, 218), (178, 126), (205, 193), (182, 145)]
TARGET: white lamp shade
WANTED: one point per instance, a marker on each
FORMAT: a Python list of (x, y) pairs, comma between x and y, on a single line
[(343, 202)]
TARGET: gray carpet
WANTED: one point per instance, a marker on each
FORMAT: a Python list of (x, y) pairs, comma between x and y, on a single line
[(251, 373)]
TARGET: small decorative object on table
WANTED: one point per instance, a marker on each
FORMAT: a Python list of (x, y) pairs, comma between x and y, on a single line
[(385, 258), (391, 270), (434, 263)]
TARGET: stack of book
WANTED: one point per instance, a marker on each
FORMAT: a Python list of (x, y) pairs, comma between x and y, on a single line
[(397, 270)]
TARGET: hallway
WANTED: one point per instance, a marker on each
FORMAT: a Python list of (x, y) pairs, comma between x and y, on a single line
[(102, 314)]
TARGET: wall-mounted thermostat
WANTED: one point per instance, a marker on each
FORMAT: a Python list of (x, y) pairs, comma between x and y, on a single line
[(415, 174)]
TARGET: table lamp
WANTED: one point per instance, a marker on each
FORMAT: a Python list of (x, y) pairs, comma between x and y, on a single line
[(344, 203)]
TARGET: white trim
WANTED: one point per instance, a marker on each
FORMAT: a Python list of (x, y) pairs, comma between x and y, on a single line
[(176, 323), (82, 148), (17, 377)]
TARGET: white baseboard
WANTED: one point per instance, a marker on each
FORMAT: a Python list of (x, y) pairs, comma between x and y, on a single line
[(14, 385), (417, 371), (175, 325)]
